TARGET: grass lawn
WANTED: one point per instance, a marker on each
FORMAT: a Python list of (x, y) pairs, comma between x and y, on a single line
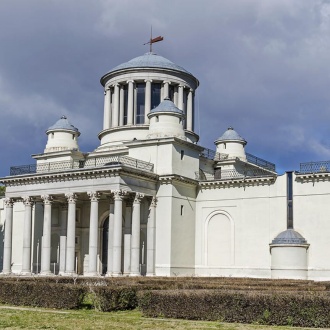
[(38, 318)]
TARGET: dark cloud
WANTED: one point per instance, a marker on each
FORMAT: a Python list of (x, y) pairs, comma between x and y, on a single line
[(262, 65)]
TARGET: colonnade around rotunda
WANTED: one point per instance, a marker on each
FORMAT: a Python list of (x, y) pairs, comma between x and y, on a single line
[(123, 255), (129, 102)]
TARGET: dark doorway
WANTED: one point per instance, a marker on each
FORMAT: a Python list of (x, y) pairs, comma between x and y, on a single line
[(105, 235)]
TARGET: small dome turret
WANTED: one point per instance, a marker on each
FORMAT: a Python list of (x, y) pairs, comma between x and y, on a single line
[(289, 236), (166, 120), (62, 136), (232, 144)]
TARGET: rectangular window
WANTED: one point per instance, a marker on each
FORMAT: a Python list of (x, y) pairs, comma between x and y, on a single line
[(289, 201), (155, 94), (181, 210), (140, 101), (171, 92), (125, 89), (182, 154)]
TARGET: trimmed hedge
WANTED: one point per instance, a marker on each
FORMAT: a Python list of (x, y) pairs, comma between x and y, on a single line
[(41, 294), (279, 308)]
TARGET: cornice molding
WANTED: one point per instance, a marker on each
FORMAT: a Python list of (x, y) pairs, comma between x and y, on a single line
[(312, 177)]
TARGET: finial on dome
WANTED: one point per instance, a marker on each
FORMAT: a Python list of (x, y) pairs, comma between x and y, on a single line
[(64, 117), (230, 128)]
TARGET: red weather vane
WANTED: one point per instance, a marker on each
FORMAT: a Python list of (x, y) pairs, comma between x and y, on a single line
[(153, 40)]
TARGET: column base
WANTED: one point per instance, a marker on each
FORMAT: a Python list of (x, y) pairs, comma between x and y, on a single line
[(150, 274), (25, 273), (116, 274), (134, 274), (70, 274), (6, 273), (93, 274), (46, 273)]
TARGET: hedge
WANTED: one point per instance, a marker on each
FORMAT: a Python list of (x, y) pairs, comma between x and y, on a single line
[(279, 308)]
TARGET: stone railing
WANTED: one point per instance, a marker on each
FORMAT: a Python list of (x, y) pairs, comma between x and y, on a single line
[(80, 164)]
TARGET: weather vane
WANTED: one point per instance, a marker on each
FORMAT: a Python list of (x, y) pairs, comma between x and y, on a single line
[(153, 40)]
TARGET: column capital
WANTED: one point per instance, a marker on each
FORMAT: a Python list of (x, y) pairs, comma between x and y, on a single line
[(182, 86), (130, 81), (191, 90), (167, 82), (27, 200), (94, 196), (119, 194), (153, 202), (47, 199), (148, 80), (71, 197), (137, 198), (9, 202)]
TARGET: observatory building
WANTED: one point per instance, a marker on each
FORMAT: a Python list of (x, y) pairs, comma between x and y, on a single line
[(149, 200)]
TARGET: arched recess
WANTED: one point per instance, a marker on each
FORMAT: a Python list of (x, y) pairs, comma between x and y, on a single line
[(103, 239), (219, 239)]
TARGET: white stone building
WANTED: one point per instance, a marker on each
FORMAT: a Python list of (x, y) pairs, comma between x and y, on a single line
[(151, 201)]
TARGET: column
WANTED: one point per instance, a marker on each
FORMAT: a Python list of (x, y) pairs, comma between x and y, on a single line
[(71, 235), (107, 109), (121, 106), (117, 233), (7, 250), (135, 241), (180, 97), (46, 236), (147, 103), (151, 238), (26, 262), (115, 109), (127, 237), (110, 238), (130, 102), (64, 221), (93, 233), (189, 119), (166, 89)]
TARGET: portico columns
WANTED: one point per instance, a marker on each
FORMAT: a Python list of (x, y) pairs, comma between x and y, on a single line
[(8, 236), (107, 109), (115, 110), (110, 238), (26, 262), (190, 111), (117, 232), (93, 233), (180, 101), (127, 237), (147, 103), (46, 236), (166, 89), (151, 238), (64, 220), (130, 102), (135, 241), (71, 235)]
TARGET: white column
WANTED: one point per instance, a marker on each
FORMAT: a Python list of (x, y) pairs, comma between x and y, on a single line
[(135, 241), (26, 262), (121, 106), (110, 238), (176, 97), (117, 233), (166, 89), (127, 237), (107, 109), (115, 108), (64, 221), (93, 233), (147, 103), (151, 238), (130, 102), (189, 119), (71, 235), (7, 251), (46, 236), (180, 97)]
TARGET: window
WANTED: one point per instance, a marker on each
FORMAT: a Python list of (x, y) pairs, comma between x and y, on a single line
[(182, 209), (171, 92), (182, 154), (155, 94), (289, 201), (140, 100)]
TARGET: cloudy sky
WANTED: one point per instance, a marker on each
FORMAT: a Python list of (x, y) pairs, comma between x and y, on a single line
[(263, 67)]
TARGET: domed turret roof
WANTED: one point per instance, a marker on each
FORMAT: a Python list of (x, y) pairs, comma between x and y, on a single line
[(149, 60), (167, 106), (230, 135), (289, 236), (63, 124)]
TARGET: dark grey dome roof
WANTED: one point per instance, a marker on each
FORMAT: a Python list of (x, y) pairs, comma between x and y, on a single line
[(149, 60), (289, 236), (63, 124), (167, 106), (230, 135)]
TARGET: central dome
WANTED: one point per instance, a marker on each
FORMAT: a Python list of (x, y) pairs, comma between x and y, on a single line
[(149, 60)]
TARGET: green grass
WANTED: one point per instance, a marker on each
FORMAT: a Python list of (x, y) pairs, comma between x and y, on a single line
[(39, 318)]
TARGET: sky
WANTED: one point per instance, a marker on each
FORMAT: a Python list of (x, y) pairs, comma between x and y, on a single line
[(263, 67)]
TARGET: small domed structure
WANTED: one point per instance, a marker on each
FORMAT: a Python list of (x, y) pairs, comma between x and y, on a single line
[(289, 255), (62, 136), (166, 120), (232, 144)]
